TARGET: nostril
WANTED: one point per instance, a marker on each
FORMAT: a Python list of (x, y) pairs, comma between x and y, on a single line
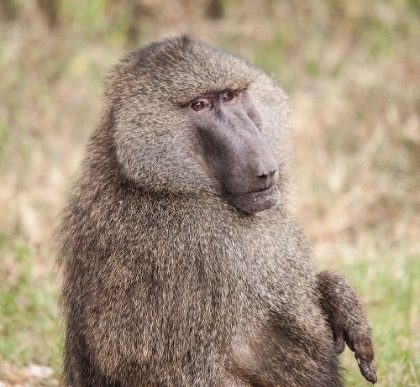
[(267, 175)]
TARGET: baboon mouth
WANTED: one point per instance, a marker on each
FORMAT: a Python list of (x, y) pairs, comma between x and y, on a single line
[(256, 201)]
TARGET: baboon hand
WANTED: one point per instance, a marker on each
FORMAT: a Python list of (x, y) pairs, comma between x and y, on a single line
[(367, 368), (362, 347), (346, 316), (363, 351)]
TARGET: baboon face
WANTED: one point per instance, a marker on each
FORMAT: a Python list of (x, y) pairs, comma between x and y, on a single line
[(191, 119), (232, 150)]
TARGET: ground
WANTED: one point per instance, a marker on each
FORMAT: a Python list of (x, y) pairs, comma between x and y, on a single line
[(352, 70)]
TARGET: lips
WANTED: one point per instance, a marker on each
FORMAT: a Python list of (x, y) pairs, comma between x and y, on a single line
[(256, 201)]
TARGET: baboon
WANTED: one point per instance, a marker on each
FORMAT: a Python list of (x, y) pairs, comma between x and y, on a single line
[(183, 262)]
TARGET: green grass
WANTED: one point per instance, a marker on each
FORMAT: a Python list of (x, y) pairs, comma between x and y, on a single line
[(29, 326), (390, 286), (352, 71)]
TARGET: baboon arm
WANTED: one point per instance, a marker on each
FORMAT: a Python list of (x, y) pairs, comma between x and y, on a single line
[(348, 321)]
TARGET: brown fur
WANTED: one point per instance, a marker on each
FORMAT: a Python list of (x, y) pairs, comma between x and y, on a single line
[(166, 283), (347, 319)]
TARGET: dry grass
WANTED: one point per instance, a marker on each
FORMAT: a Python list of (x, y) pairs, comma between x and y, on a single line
[(352, 69)]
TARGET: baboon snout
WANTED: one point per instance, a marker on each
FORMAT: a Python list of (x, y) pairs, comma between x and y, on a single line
[(267, 174), (253, 187)]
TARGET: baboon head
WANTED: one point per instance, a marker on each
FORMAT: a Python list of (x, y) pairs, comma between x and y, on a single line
[(192, 119)]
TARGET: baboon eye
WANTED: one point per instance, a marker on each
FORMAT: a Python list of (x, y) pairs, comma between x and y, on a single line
[(229, 96), (199, 105)]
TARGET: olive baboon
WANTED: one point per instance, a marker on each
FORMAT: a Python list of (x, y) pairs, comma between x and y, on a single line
[(183, 262)]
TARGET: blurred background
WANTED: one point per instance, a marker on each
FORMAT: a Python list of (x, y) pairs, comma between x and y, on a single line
[(352, 70)]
